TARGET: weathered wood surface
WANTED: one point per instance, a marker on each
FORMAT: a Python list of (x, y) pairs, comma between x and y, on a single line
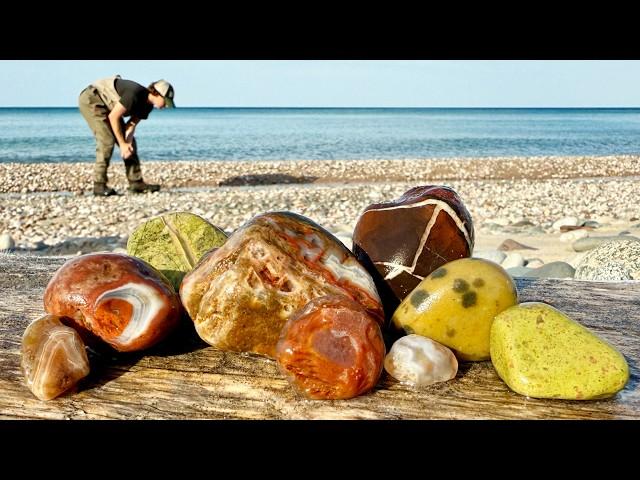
[(186, 379)]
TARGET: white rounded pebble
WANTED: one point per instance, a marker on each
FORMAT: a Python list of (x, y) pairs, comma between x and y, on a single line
[(513, 259), (420, 361), (6, 242), (495, 256)]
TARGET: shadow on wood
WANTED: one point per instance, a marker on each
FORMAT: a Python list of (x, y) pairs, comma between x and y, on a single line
[(106, 368), (182, 341)]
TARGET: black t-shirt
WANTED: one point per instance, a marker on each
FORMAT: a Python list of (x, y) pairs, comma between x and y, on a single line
[(133, 97)]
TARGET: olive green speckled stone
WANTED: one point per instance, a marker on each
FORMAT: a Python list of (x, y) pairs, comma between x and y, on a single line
[(173, 243), (540, 352), (455, 306)]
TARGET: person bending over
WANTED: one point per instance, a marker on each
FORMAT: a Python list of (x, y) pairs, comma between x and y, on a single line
[(104, 105)]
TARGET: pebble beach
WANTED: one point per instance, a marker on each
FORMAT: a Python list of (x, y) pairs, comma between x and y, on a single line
[(48, 208)]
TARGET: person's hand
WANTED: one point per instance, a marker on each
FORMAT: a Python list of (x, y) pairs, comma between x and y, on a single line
[(126, 150)]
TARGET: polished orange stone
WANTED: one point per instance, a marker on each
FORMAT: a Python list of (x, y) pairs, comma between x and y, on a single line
[(331, 349)]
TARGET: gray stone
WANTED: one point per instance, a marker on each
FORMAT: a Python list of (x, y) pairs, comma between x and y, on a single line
[(519, 271), (549, 270), (589, 243), (612, 260), (495, 256), (554, 270), (591, 223), (6, 242)]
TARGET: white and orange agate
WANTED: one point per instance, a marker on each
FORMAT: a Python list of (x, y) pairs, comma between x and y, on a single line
[(241, 295), (54, 358), (121, 299)]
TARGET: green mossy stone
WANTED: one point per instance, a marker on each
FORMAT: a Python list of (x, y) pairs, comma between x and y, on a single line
[(174, 243), (540, 352)]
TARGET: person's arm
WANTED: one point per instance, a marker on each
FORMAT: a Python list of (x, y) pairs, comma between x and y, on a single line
[(130, 128), (115, 116)]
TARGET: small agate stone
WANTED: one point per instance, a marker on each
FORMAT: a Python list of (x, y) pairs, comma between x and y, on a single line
[(455, 306), (54, 358), (121, 299), (540, 352), (402, 241), (241, 295), (331, 349), (173, 243), (420, 361)]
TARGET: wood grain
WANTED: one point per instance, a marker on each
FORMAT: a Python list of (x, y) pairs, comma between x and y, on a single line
[(184, 378)]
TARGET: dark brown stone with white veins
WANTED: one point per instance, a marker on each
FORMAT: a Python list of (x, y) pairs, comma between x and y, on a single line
[(404, 240)]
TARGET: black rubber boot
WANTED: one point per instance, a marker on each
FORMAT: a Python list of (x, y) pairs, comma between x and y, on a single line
[(141, 187), (101, 190)]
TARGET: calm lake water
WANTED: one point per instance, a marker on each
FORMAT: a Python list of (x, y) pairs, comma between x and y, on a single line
[(61, 135)]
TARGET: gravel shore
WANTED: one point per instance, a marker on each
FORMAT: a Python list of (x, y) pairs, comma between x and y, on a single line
[(44, 206), (77, 177)]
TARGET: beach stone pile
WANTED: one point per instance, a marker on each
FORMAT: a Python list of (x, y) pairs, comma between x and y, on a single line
[(283, 286)]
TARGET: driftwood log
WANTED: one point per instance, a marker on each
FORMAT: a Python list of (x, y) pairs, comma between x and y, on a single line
[(184, 378)]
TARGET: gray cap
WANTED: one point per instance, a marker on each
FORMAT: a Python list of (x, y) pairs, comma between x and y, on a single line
[(165, 89)]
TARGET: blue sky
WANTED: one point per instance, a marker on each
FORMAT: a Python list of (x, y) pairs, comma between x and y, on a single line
[(343, 83)]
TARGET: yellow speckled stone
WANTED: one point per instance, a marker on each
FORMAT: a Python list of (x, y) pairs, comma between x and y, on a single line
[(455, 305), (540, 352)]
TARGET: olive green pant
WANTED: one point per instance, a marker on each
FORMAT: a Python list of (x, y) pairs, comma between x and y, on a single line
[(95, 112)]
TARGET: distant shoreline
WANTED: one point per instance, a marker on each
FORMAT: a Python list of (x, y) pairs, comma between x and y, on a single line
[(75, 107)]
